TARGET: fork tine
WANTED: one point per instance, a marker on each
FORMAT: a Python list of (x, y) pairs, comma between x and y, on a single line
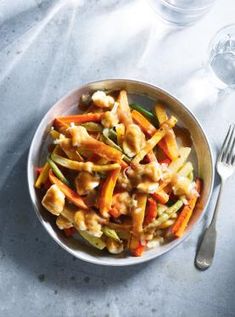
[(230, 154), (221, 155), (233, 160), (229, 145)]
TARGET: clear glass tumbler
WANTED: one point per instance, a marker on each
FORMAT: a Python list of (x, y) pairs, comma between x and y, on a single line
[(181, 12), (222, 57)]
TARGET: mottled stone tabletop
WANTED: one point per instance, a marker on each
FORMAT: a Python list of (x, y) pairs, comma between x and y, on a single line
[(46, 49)]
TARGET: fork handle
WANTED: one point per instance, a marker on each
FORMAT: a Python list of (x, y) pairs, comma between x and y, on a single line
[(206, 250)]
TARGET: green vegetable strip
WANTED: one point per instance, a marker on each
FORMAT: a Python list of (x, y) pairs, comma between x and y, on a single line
[(110, 233), (113, 135), (92, 126), (110, 142), (57, 172), (98, 243), (149, 115), (166, 215)]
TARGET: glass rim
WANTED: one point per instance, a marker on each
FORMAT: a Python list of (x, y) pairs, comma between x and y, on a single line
[(217, 33), (227, 26), (179, 8)]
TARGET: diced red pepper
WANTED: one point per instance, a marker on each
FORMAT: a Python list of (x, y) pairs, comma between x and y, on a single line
[(114, 212), (165, 161), (137, 248), (69, 232), (47, 184), (161, 196), (38, 170), (151, 211)]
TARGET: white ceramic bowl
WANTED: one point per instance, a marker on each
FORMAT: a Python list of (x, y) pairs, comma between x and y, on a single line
[(146, 95)]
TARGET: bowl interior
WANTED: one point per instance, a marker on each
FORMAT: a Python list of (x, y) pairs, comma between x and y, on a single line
[(146, 95)]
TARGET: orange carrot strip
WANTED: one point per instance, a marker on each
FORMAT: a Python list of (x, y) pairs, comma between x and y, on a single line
[(102, 150), (124, 112), (136, 246), (165, 161), (43, 176), (161, 196), (69, 193), (114, 212), (151, 157), (81, 118), (138, 213), (168, 144), (144, 124), (60, 125), (163, 146), (151, 143), (151, 211), (106, 193), (185, 215)]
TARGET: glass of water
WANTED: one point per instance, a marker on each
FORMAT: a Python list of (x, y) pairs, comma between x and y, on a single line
[(222, 57), (181, 12)]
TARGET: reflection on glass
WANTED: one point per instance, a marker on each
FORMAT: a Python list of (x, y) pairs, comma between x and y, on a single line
[(181, 12), (222, 57)]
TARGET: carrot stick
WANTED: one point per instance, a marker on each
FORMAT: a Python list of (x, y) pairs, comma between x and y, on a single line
[(168, 144), (151, 143), (144, 124), (124, 112), (102, 149), (106, 194), (69, 193), (60, 125), (185, 215), (136, 246), (43, 176), (138, 213), (81, 118), (161, 196), (151, 157)]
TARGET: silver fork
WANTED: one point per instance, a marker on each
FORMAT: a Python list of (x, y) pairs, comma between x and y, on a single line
[(225, 167)]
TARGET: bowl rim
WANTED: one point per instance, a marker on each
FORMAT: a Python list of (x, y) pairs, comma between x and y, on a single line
[(138, 260)]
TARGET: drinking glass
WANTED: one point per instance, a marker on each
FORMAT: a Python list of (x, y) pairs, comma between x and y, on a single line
[(222, 57), (181, 12)]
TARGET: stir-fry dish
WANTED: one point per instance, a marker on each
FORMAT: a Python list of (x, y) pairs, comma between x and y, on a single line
[(117, 175)]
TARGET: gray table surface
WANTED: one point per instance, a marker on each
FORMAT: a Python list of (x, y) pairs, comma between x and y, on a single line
[(50, 47)]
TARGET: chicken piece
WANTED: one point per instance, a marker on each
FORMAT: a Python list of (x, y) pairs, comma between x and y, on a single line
[(70, 150), (85, 182), (122, 202), (91, 199), (110, 119), (147, 187), (63, 223), (88, 221), (183, 186), (134, 140), (145, 177), (54, 200), (93, 225), (113, 246), (79, 219), (79, 134), (100, 99)]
